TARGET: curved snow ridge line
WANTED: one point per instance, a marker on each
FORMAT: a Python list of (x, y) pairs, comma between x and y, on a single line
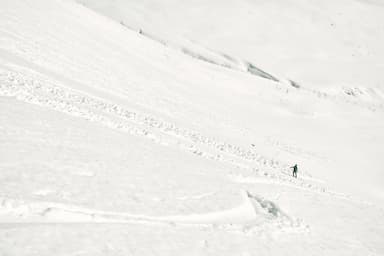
[(201, 53), (76, 103), (252, 213), (226, 61), (54, 212), (196, 51)]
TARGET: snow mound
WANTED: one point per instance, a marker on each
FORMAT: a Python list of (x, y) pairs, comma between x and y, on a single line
[(253, 212)]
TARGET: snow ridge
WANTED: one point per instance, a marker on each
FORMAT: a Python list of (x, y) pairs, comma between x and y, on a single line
[(252, 214), (196, 51)]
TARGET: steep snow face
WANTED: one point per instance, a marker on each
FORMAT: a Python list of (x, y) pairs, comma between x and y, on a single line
[(319, 44), (298, 35), (87, 52), (172, 147)]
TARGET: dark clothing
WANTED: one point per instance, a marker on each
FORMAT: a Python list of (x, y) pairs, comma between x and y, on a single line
[(294, 174)]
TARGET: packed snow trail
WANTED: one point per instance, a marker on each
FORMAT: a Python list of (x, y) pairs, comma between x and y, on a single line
[(42, 91)]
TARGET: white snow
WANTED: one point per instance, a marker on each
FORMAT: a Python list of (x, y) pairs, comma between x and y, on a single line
[(144, 128)]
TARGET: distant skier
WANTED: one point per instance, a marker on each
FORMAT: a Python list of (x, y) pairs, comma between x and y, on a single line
[(294, 173)]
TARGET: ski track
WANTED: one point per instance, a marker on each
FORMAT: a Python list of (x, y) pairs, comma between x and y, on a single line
[(252, 215), (299, 184), (78, 104), (41, 91)]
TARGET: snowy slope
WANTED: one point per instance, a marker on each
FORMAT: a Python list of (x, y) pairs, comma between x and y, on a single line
[(333, 44), (173, 151)]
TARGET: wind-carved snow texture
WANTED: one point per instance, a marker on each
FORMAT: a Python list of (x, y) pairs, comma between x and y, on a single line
[(196, 51), (48, 94), (253, 214), (258, 72), (370, 98), (365, 95)]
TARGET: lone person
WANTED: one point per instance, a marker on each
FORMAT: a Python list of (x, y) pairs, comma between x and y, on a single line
[(294, 173)]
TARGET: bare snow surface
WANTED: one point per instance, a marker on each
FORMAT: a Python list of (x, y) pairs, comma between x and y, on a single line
[(168, 128)]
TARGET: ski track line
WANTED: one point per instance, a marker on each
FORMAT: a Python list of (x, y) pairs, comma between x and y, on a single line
[(261, 180), (62, 99), (77, 104), (293, 184)]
